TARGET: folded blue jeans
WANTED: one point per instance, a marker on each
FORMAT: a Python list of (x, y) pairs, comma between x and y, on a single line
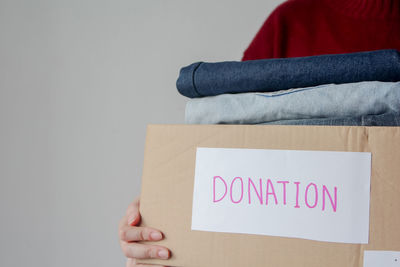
[(324, 101), (266, 75), (386, 119)]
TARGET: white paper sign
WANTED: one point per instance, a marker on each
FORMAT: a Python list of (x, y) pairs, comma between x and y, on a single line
[(375, 258), (318, 195)]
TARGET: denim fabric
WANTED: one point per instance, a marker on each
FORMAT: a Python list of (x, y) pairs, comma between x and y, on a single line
[(324, 101), (387, 119), (267, 75)]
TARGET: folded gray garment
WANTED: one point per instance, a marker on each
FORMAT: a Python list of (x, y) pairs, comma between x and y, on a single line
[(325, 101)]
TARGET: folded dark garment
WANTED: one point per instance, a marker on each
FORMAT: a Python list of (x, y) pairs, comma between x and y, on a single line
[(267, 75), (386, 119)]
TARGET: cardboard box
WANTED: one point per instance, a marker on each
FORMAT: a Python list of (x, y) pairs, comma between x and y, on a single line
[(167, 193)]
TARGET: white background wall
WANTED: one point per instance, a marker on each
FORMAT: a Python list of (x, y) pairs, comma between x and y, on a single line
[(79, 82)]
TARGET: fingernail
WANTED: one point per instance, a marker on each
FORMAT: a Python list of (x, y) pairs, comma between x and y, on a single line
[(131, 219), (155, 236), (163, 254)]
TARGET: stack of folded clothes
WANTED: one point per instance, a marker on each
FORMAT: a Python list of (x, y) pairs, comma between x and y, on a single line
[(346, 89)]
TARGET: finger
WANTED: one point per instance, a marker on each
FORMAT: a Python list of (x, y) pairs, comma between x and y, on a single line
[(148, 265), (132, 263), (131, 234), (141, 251), (133, 205), (132, 212)]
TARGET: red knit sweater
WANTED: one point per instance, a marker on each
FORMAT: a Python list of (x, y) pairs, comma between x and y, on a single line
[(299, 28)]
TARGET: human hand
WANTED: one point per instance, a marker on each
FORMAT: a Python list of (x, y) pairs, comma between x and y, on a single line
[(130, 233)]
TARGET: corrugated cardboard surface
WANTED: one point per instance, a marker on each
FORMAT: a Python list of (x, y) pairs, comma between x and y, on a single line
[(167, 192)]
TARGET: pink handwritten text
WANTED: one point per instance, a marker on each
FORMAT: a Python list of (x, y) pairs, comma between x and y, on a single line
[(275, 192)]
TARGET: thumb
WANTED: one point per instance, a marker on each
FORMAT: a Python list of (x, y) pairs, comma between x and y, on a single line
[(133, 214)]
